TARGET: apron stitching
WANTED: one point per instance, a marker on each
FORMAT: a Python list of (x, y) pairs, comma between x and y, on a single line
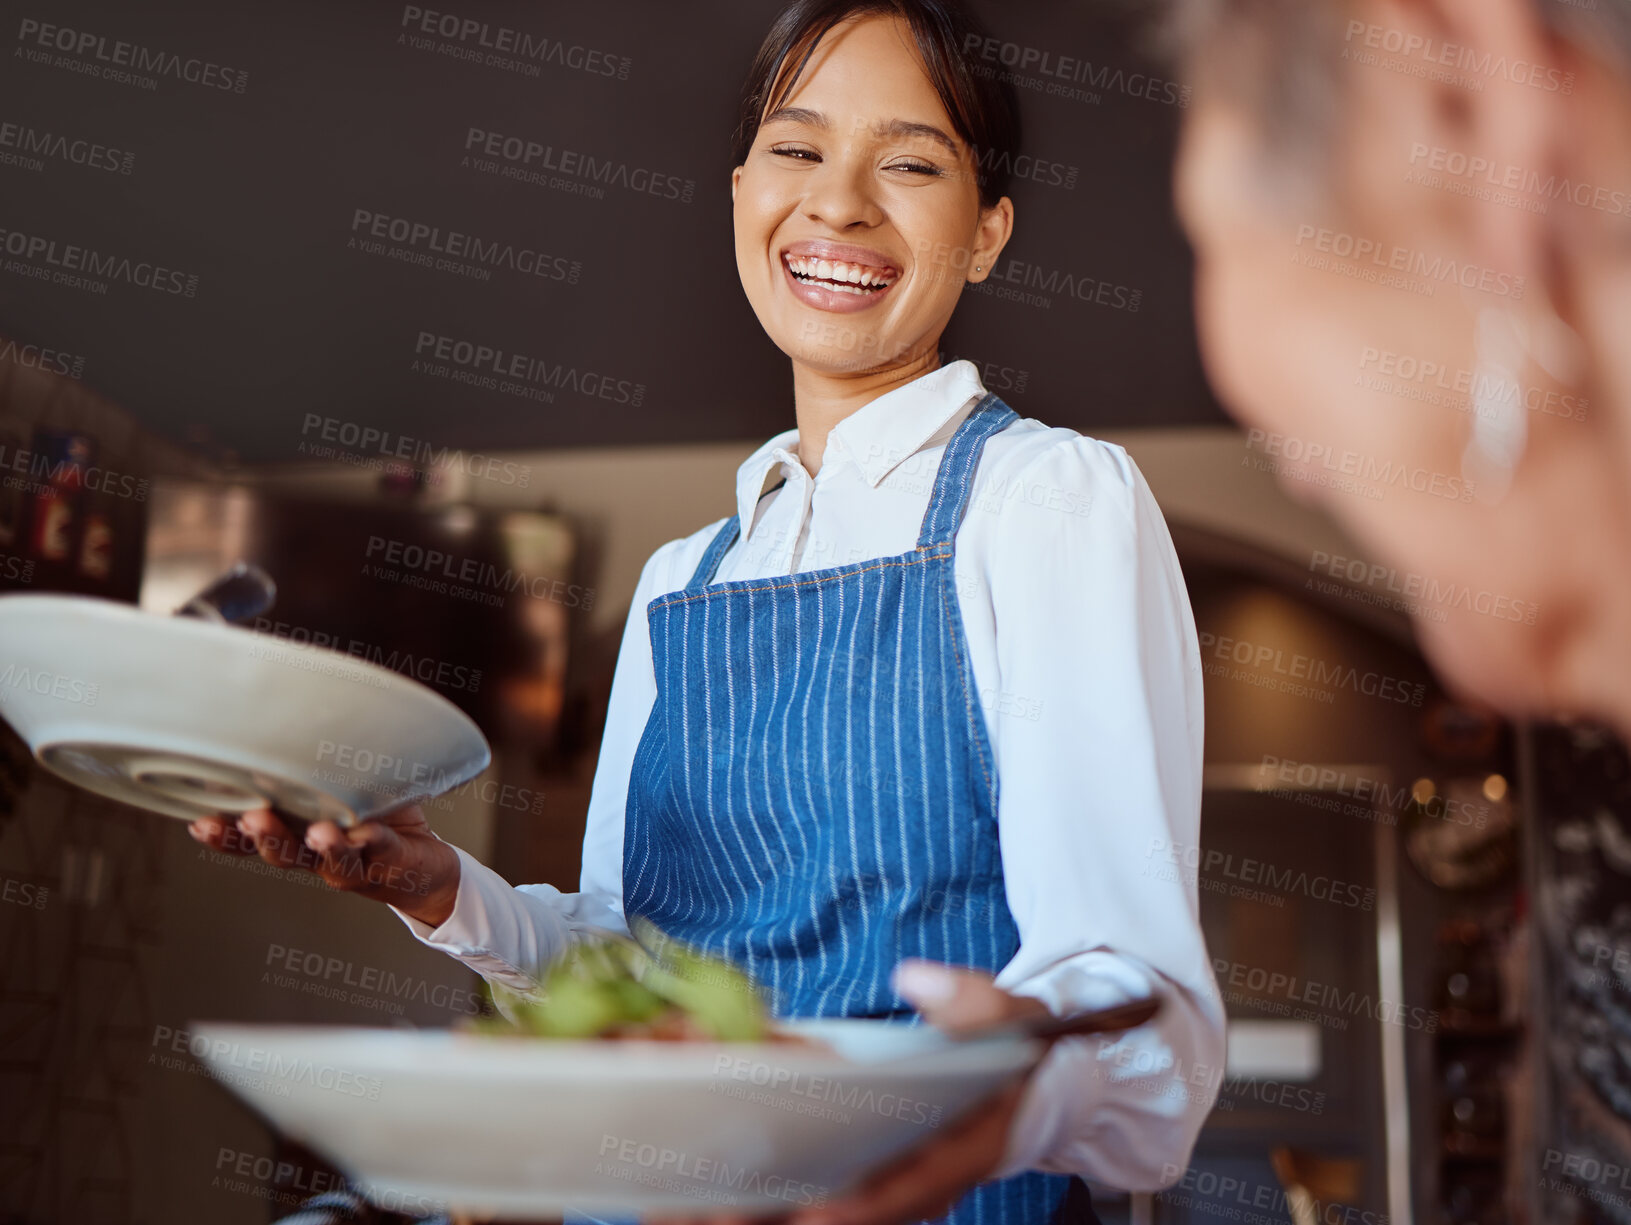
[(685, 597)]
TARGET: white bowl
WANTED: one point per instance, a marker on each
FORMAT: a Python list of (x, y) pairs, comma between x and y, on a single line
[(527, 1129), (186, 717)]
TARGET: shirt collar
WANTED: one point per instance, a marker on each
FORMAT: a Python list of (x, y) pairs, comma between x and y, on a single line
[(878, 437)]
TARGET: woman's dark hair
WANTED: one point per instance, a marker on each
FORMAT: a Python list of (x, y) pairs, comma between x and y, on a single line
[(979, 97)]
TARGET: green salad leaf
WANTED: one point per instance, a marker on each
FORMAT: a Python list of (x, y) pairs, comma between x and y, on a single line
[(614, 986)]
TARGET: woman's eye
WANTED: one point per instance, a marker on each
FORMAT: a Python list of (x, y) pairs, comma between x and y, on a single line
[(916, 167), (790, 151)]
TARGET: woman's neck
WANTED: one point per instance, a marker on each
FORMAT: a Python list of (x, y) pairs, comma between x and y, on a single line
[(821, 400)]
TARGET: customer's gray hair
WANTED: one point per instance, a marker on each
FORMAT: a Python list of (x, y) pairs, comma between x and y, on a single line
[(1277, 56)]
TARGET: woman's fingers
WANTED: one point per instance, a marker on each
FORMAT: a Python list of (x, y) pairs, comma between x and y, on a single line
[(220, 834), (253, 833), (392, 858), (954, 999), (365, 857), (338, 860), (271, 838)]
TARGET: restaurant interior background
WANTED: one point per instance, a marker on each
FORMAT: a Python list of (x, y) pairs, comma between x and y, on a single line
[(283, 354)]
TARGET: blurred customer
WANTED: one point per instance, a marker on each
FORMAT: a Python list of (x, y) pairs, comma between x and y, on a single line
[(1412, 223)]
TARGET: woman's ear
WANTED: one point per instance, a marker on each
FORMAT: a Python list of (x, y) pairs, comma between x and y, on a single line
[(736, 177), (990, 237)]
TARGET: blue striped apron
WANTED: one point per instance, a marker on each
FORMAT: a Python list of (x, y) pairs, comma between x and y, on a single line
[(814, 796)]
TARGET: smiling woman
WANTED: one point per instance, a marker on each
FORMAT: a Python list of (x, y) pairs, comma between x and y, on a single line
[(902, 736), (835, 140)]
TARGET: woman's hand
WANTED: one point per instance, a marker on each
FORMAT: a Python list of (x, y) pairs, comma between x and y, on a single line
[(393, 859), (930, 1179)]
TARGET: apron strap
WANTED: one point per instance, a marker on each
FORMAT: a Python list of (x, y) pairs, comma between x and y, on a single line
[(722, 542), (728, 532), (954, 481)]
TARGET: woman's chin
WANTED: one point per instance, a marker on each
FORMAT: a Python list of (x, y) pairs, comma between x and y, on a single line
[(841, 350)]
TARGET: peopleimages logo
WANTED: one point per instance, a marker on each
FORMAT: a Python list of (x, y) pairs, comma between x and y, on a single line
[(534, 161), (423, 668), (336, 972), (707, 1179), (501, 42), (1274, 991), (69, 258), (1481, 171), (267, 1172), (1297, 666), (417, 565), (385, 774), (37, 357), (1588, 1169), (851, 1097), (1056, 74), (420, 242), (317, 429), (42, 468), (26, 142), (1194, 862), (1019, 274), (1375, 259), (24, 893), (1354, 471), (1419, 587), (515, 373), (1033, 169), (1290, 778), (1435, 53), (50, 684), (236, 1057), (1244, 1197), (100, 56), (1485, 392)]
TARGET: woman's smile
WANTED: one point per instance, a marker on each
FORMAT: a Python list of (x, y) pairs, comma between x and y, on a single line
[(834, 276)]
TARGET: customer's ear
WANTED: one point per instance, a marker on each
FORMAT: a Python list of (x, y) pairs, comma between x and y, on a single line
[(1473, 96)]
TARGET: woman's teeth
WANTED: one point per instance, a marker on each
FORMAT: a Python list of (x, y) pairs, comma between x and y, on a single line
[(839, 276)]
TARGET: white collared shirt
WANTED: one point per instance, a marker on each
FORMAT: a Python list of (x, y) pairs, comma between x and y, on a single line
[(1084, 652)]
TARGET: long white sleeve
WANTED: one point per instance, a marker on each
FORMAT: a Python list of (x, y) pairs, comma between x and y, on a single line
[(1095, 716), (509, 934)]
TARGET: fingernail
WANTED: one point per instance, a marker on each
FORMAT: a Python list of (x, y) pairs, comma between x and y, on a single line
[(924, 982)]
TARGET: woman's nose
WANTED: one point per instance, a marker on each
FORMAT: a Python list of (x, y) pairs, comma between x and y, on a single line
[(840, 194)]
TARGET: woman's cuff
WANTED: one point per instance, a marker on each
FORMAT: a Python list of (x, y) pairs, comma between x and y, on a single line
[(1121, 1109), (469, 932)]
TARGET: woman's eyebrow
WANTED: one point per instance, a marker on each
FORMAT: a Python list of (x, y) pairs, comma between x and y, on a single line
[(890, 129)]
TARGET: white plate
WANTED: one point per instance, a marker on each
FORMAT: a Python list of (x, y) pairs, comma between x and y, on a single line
[(185, 717), (528, 1129)]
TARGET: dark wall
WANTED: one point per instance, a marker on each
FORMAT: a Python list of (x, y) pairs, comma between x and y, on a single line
[(273, 331)]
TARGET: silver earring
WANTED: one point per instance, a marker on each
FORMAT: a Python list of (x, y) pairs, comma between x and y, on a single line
[(978, 268), (1500, 423)]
